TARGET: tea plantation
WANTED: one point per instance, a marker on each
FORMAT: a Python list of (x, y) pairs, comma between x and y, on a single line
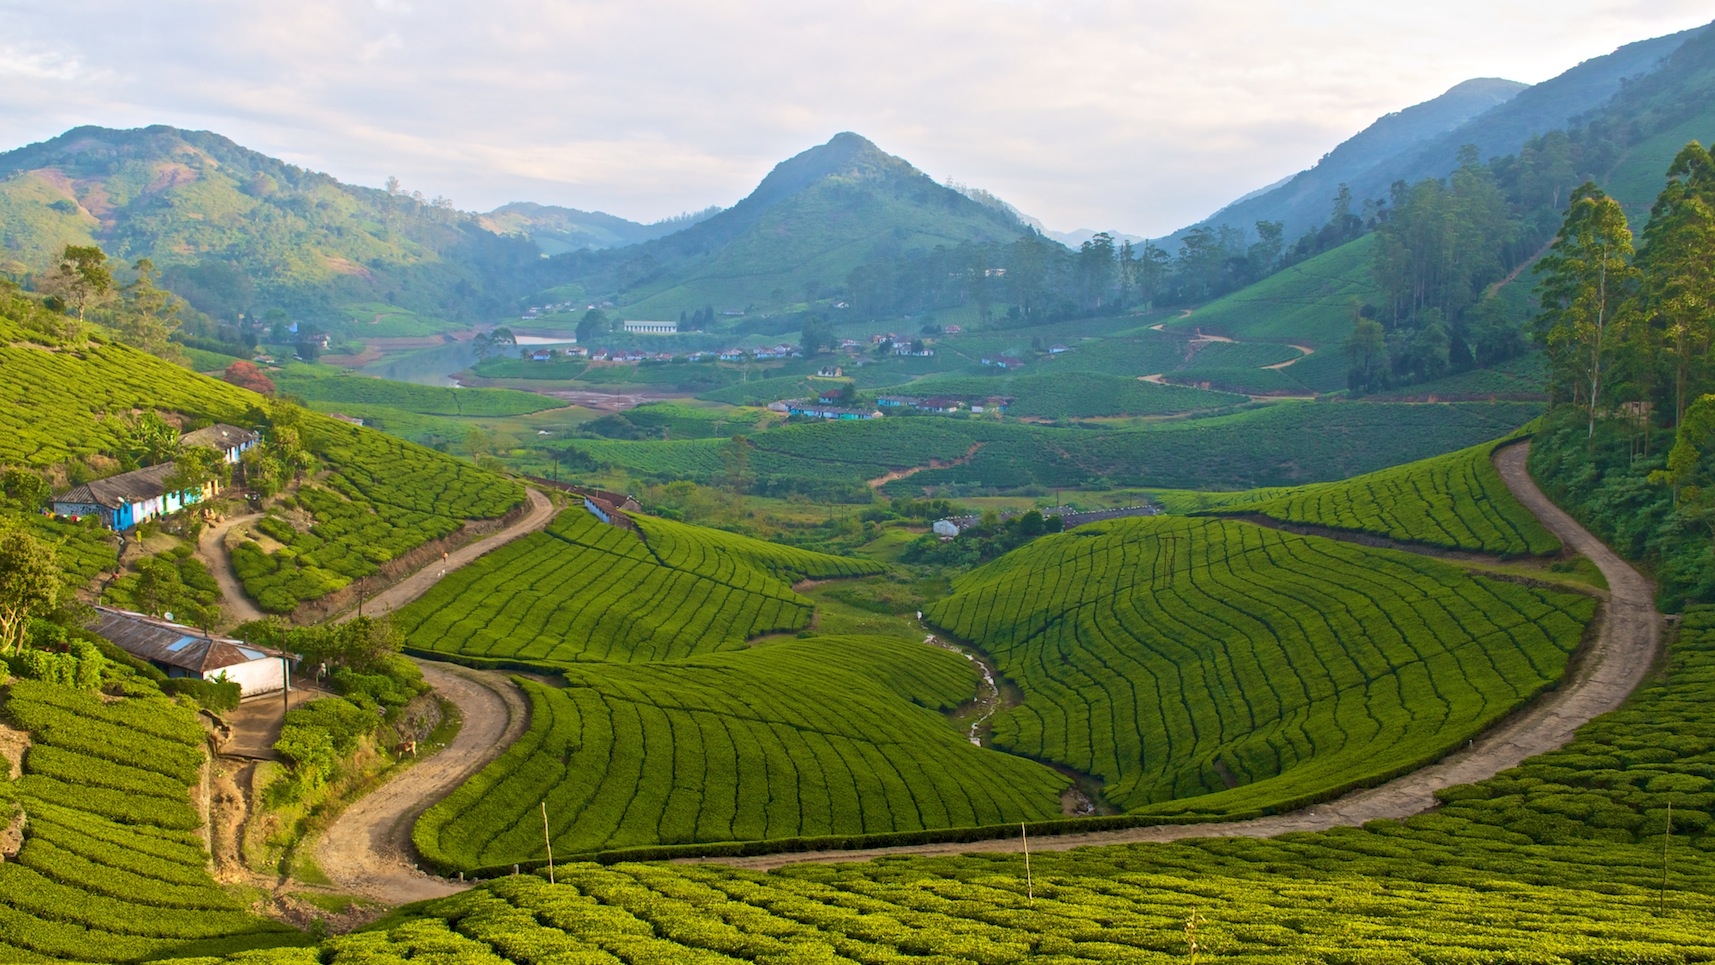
[(677, 591), (380, 497), (383, 498), (831, 735), (1457, 501), (1209, 667), (112, 866), (1276, 445), (1558, 861)]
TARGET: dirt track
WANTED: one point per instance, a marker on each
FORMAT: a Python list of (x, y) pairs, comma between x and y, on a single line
[(367, 851), (1625, 647), (212, 548)]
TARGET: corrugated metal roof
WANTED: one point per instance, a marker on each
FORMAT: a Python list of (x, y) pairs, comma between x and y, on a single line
[(123, 489), (220, 436), (187, 648)]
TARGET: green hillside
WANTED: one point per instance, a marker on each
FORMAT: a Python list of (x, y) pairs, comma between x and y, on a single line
[(334, 386), (1203, 667), (1559, 860), (1281, 444), (1309, 303), (113, 866), (832, 735), (1457, 501), (371, 499), (236, 231), (800, 233), (584, 590)]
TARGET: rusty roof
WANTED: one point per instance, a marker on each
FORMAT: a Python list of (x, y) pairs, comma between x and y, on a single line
[(220, 436), (159, 641), (123, 489)]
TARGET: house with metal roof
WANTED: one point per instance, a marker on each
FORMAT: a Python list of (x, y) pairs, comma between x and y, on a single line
[(230, 440), (129, 498), (181, 651)]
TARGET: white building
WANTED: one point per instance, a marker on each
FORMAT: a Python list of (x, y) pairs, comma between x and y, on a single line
[(181, 651), (652, 328)]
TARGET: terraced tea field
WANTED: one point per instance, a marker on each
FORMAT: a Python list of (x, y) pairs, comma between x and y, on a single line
[(112, 866), (1457, 501), (1204, 667), (384, 498), (831, 735), (584, 590)]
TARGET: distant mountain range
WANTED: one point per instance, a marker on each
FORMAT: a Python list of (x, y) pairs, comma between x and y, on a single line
[(236, 232), (1423, 141)]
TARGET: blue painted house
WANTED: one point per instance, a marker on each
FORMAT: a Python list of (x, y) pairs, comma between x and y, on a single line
[(129, 498)]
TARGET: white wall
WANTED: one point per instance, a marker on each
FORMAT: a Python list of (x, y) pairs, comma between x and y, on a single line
[(254, 677)]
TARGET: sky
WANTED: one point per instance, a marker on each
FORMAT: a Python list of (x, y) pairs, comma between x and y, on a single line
[(1138, 116)]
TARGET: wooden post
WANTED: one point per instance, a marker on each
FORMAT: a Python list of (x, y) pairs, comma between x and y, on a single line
[(285, 684), (1667, 832), (1029, 885), (548, 841)]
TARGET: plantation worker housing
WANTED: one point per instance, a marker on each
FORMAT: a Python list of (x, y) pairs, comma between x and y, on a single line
[(130, 498), (181, 651)]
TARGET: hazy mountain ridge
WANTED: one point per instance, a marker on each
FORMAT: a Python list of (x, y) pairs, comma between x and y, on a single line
[(557, 230), (1424, 140)]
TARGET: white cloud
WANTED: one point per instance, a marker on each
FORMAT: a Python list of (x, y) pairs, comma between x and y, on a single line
[(1139, 116)]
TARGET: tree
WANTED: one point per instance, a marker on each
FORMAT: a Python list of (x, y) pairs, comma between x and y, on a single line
[(80, 278), (150, 314), (1693, 440), (23, 490), (29, 583), (147, 439), (195, 467), (818, 336), (246, 375), (1366, 352), (1586, 290), (593, 325), (1675, 265)]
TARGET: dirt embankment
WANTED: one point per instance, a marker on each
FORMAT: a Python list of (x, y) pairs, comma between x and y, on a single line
[(899, 474)]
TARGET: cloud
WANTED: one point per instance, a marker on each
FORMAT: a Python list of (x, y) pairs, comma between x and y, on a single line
[(1138, 116)]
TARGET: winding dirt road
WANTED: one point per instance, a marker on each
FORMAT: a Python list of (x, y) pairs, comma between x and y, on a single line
[(367, 851), (1625, 647), (212, 548)]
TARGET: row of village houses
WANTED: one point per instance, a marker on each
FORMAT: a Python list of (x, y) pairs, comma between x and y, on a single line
[(829, 406), (123, 501)]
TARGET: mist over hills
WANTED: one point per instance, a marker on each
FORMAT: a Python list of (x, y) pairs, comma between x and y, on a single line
[(1423, 141)]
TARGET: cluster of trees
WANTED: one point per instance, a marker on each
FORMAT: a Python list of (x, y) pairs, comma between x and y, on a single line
[(991, 538), (83, 286), (1628, 327)]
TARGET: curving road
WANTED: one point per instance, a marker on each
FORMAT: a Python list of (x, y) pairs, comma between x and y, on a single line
[(367, 850), (212, 548), (1625, 647)]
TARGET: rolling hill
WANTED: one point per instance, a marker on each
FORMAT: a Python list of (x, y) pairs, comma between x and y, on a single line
[(808, 223), (235, 231)]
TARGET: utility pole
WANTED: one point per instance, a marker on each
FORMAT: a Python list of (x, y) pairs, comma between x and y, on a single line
[(1029, 885), (548, 841)]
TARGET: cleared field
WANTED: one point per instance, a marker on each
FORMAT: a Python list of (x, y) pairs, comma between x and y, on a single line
[(1209, 667), (831, 735), (584, 590), (1456, 501), (323, 383), (112, 866)]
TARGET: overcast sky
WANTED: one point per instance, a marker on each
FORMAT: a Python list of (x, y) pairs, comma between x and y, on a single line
[(1136, 116)]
